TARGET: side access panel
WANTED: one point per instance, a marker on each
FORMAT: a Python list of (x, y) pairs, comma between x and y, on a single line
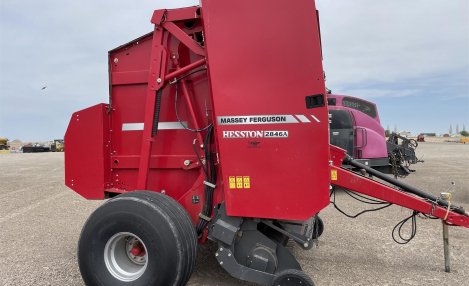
[(267, 84), (87, 165)]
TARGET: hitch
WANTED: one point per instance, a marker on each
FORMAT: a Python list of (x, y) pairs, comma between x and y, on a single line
[(406, 196), (405, 187)]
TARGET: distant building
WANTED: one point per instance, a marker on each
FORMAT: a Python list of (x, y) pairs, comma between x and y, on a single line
[(16, 145)]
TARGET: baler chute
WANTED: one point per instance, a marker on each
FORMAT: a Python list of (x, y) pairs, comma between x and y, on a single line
[(219, 118)]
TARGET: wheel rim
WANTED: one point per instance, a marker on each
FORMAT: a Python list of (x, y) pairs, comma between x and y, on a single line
[(125, 256)]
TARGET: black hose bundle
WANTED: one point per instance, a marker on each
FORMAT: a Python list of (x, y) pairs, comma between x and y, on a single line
[(397, 232), (398, 229), (361, 199), (207, 164), (210, 181)]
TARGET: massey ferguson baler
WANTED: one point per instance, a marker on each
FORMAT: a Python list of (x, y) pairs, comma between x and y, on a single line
[(216, 128)]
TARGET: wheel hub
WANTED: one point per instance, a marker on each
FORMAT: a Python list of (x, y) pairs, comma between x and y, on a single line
[(135, 251), (125, 256)]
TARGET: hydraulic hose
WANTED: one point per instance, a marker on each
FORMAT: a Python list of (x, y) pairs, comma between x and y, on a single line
[(405, 187)]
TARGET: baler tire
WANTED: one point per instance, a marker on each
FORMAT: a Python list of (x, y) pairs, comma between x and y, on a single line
[(320, 229), (161, 225), (184, 220), (292, 277)]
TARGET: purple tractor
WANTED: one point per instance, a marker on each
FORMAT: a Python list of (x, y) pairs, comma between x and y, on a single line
[(355, 127)]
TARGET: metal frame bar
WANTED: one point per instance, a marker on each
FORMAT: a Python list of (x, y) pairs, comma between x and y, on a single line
[(157, 78), (184, 38), (157, 70), (184, 70), (179, 14)]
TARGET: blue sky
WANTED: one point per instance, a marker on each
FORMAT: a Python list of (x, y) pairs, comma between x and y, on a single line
[(409, 57)]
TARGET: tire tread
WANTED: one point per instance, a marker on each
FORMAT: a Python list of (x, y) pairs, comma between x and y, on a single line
[(183, 223)]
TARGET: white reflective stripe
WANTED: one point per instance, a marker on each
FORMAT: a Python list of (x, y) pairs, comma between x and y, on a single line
[(171, 125), (256, 119), (132, 126), (161, 126), (303, 118), (315, 118)]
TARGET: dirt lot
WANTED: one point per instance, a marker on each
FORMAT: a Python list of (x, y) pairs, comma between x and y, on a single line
[(40, 221)]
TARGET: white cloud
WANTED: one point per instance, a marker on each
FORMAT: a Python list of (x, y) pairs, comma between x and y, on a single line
[(61, 44), (64, 44), (387, 41)]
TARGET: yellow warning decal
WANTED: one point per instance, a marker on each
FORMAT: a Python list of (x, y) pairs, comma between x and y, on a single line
[(247, 182), (232, 181), (239, 182), (333, 175)]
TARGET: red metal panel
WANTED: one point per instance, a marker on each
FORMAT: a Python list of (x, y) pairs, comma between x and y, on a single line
[(168, 163), (135, 77), (264, 58), (156, 162), (87, 165)]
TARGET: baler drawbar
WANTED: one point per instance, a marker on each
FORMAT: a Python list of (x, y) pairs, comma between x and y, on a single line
[(405, 196), (217, 128)]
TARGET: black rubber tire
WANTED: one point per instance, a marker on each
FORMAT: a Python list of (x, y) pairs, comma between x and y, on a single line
[(320, 229), (292, 277), (184, 220), (159, 221)]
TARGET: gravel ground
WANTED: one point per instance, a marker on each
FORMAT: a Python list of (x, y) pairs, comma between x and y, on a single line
[(40, 221)]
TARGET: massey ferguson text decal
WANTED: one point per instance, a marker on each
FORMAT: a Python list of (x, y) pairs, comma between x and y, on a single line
[(255, 134), (256, 119)]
